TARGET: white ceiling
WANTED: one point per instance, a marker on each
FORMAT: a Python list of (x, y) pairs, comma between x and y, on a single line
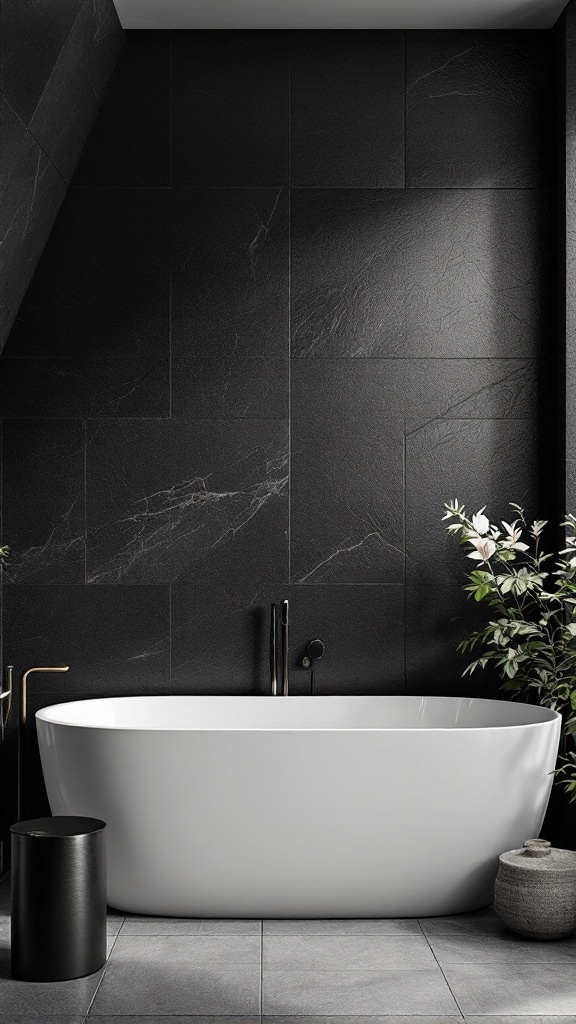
[(340, 14)]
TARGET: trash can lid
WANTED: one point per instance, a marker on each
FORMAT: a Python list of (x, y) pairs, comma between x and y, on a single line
[(58, 827)]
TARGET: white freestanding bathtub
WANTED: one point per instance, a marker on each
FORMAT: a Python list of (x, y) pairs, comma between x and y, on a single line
[(302, 806)]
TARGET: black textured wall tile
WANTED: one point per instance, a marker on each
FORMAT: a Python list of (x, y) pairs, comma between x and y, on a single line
[(187, 500), (107, 42), (230, 272), (346, 390), (347, 109), (480, 462), (115, 639), (15, 138), (230, 108), (229, 388), (419, 273), (60, 388), (220, 637), (478, 108), (363, 630), (102, 286), (346, 518), (67, 107), (130, 141), (438, 617), (43, 500), (32, 33), (31, 199)]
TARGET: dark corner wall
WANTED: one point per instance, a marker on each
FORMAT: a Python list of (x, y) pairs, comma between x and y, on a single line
[(56, 58), (299, 294)]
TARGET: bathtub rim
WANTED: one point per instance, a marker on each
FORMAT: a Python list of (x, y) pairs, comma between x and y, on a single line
[(47, 715)]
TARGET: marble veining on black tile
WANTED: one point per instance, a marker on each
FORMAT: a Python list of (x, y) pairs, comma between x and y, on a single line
[(43, 500), (230, 272), (419, 390), (347, 109), (192, 500), (482, 463), (346, 518), (70, 99), (229, 388), (61, 388), (429, 273), (478, 109), (230, 108)]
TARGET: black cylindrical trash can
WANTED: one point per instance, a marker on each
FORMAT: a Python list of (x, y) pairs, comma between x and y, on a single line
[(58, 898)]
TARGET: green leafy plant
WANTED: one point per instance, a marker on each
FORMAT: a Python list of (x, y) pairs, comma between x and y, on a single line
[(530, 638)]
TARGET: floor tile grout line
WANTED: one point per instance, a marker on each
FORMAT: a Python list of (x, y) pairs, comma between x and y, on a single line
[(440, 967), (108, 955)]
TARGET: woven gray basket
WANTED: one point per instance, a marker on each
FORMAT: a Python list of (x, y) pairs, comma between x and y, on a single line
[(535, 892)]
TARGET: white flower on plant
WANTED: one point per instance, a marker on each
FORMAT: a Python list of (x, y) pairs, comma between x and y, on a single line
[(512, 541), (481, 523), (484, 548)]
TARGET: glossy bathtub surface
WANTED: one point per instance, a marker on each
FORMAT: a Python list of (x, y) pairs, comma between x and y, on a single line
[(299, 806)]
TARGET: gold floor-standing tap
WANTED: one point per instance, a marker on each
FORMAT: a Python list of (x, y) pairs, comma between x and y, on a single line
[(22, 728)]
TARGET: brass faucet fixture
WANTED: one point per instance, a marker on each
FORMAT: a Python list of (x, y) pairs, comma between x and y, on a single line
[(22, 715)]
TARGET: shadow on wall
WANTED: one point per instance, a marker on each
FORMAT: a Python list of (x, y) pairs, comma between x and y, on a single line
[(56, 61)]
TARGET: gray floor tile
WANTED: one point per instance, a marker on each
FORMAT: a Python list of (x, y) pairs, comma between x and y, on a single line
[(347, 952), (368, 926), (45, 999), (479, 920), (500, 948), (114, 921), (513, 989), (375, 1019), (472, 1019), (189, 926), (177, 975), (356, 993), (26, 1018), (162, 1019)]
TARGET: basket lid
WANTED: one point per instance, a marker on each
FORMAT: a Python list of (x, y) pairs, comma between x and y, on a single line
[(539, 855)]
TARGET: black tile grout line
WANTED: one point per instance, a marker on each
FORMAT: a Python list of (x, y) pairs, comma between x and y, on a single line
[(404, 600), (441, 969), (170, 636), (289, 324), (261, 966), (170, 110), (316, 188), (193, 583), (252, 419), (269, 359), (108, 955), (84, 435), (169, 350), (404, 40)]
